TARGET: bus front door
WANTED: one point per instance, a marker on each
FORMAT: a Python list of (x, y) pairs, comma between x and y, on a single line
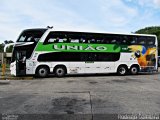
[(20, 63)]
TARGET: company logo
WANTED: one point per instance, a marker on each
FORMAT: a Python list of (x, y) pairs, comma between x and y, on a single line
[(81, 48)]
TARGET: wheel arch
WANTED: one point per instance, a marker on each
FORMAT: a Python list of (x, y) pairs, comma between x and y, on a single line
[(42, 65), (60, 65), (122, 65), (126, 69), (135, 65)]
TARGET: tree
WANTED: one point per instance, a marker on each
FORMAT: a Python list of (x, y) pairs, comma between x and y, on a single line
[(8, 41), (155, 30), (9, 49), (1, 47)]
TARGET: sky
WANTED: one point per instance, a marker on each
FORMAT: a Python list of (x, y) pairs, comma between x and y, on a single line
[(118, 16)]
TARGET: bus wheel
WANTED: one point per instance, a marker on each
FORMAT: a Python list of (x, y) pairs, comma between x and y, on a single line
[(60, 71), (42, 71), (122, 70), (134, 70)]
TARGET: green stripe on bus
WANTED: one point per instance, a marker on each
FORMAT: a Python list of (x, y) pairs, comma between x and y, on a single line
[(79, 47)]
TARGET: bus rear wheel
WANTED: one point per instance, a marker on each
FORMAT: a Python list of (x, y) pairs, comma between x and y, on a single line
[(42, 71), (122, 70), (60, 71), (134, 70)]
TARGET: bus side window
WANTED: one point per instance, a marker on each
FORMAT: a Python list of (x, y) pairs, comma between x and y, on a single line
[(84, 56), (92, 40), (99, 41), (142, 40), (29, 39), (73, 38), (92, 56), (106, 39), (63, 40), (114, 39), (89, 38), (133, 41), (110, 39), (80, 40), (124, 40), (51, 40), (68, 40), (55, 37), (150, 40), (85, 41)]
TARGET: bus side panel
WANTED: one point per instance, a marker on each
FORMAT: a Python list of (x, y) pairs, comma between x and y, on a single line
[(107, 67), (29, 67), (76, 67), (13, 68)]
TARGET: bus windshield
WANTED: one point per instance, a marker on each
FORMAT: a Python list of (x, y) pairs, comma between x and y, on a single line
[(31, 35)]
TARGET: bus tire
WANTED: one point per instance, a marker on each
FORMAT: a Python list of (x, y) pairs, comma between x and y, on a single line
[(134, 70), (122, 70), (42, 71), (60, 71)]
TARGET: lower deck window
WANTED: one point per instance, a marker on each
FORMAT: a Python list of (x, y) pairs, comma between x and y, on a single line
[(77, 56)]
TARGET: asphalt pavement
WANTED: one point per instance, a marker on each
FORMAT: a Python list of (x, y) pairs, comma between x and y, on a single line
[(84, 97)]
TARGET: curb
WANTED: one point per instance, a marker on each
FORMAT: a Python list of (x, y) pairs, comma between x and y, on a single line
[(3, 78), (4, 81)]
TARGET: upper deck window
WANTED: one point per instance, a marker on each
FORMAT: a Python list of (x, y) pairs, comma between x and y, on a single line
[(151, 40), (98, 38), (31, 35), (133, 41), (142, 40), (55, 38)]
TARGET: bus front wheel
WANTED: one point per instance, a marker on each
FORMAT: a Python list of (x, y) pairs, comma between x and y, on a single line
[(42, 71), (60, 71), (122, 70)]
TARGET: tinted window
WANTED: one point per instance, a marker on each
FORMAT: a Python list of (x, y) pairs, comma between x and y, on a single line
[(94, 38), (108, 56), (141, 40), (109, 39), (124, 40), (72, 56), (31, 35), (76, 38), (56, 38), (150, 40), (133, 40)]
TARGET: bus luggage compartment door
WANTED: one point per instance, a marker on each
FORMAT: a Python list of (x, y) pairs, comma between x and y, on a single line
[(92, 67)]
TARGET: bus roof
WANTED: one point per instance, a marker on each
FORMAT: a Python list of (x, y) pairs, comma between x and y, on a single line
[(36, 29), (80, 32)]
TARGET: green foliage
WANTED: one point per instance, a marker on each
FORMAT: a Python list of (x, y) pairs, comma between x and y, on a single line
[(9, 49), (8, 41), (1, 47), (3, 44), (155, 30)]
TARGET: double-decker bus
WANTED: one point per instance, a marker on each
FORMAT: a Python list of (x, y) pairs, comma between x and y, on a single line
[(46, 51)]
